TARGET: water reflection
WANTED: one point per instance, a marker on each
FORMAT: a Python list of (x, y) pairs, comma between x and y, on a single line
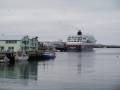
[(86, 62), (24, 70), (44, 65), (27, 70), (83, 61), (70, 70)]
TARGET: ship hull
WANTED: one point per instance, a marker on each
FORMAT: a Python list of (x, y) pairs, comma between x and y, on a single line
[(80, 48)]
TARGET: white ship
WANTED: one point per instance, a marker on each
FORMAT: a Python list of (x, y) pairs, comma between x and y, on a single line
[(80, 42)]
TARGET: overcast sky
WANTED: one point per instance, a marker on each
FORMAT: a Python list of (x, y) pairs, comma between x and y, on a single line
[(56, 19)]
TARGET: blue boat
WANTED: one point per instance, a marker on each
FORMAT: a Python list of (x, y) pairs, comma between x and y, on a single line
[(48, 55)]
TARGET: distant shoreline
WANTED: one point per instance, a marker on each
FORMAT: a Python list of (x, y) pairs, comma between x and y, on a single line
[(106, 46)]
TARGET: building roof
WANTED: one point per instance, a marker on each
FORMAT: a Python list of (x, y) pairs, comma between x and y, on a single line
[(14, 37)]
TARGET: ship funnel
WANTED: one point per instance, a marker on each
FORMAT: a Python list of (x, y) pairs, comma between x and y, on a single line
[(79, 32)]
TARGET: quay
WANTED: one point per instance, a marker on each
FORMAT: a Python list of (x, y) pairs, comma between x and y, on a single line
[(11, 45), (11, 55)]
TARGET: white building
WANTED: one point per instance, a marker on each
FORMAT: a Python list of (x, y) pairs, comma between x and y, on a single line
[(29, 44), (18, 43)]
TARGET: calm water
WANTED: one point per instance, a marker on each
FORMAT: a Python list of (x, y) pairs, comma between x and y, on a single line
[(98, 70)]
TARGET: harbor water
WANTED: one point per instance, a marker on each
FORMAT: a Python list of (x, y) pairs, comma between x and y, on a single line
[(95, 70)]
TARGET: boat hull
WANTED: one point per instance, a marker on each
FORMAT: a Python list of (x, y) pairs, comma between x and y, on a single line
[(80, 47), (21, 56), (48, 55)]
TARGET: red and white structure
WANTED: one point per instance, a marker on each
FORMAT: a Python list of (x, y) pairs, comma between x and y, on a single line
[(80, 42)]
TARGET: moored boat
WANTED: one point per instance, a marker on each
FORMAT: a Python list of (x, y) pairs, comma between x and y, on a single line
[(48, 55), (4, 60), (21, 56)]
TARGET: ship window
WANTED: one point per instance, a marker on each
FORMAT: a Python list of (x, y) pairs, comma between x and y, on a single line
[(84, 38), (72, 37), (79, 39), (69, 39)]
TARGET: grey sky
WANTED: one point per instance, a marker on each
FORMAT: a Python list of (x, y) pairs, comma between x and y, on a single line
[(56, 19)]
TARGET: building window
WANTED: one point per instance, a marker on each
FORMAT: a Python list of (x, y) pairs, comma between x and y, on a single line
[(25, 42), (11, 41), (1, 48), (10, 49)]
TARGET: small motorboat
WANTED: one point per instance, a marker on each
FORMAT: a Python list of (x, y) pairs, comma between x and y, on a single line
[(48, 55), (4, 60), (21, 56)]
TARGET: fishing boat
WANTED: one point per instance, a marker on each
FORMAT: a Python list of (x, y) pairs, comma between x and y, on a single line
[(80, 42)]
